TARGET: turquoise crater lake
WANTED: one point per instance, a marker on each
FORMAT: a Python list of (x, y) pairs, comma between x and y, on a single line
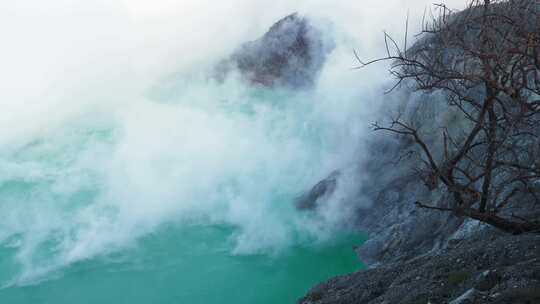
[(189, 264), (185, 197)]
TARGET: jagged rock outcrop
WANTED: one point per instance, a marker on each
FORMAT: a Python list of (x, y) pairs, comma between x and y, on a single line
[(322, 190), (290, 54)]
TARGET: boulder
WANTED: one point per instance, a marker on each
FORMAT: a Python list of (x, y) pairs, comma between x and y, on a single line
[(322, 189)]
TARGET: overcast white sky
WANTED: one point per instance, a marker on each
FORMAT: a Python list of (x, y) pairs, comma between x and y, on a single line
[(163, 35), (83, 51)]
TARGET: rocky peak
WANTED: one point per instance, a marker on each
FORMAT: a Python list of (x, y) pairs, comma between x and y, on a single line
[(290, 54)]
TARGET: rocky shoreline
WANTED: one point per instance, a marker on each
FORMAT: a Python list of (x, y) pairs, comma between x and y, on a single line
[(488, 267)]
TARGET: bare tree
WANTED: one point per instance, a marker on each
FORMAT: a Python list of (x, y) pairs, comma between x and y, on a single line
[(486, 62)]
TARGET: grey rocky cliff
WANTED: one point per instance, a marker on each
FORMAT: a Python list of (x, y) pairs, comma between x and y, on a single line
[(422, 256), (291, 54), (425, 256), (385, 210)]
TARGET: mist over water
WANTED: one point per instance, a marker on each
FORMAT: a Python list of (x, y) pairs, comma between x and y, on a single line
[(114, 142), (215, 154)]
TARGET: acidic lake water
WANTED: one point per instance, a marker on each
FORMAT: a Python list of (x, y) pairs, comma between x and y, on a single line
[(184, 196), (189, 265)]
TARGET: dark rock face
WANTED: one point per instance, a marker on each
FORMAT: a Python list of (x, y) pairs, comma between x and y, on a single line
[(290, 54), (486, 268), (321, 190)]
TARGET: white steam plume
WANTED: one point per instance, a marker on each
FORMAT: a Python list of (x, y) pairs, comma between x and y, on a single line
[(110, 127)]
